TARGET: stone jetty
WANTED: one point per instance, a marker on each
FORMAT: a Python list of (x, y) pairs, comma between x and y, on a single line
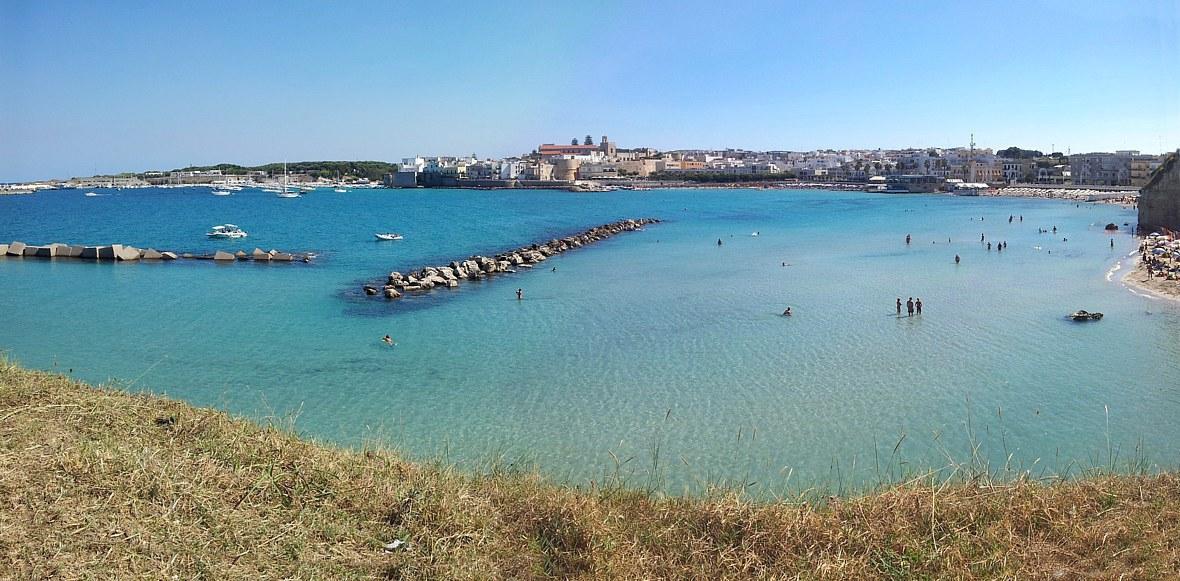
[(125, 253), (478, 267)]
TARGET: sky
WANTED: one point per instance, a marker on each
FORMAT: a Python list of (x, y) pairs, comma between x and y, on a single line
[(102, 87)]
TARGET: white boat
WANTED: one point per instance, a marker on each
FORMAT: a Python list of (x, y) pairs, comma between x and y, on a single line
[(90, 195), (222, 193), (341, 191), (283, 191), (233, 188), (226, 231), (389, 236)]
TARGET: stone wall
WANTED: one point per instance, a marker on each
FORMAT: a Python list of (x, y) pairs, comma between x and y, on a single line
[(1159, 202)]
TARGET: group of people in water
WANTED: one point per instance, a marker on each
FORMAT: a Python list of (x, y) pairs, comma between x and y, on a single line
[(910, 305)]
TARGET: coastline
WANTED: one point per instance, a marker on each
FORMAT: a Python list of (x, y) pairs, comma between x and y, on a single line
[(133, 495), (1136, 277)]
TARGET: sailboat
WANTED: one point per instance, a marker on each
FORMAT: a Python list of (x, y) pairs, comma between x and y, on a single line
[(283, 193)]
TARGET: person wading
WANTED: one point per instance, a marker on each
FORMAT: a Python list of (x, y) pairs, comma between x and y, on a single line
[(909, 306)]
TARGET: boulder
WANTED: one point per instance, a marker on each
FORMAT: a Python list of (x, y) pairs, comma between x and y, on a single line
[(16, 249), (282, 257), (447, 272), (436, 280), (259, 254), (75, 251), (32, 250), (392, 293), (109, 252), (240, 255), (169, 255), (452, 283), (370, 290), (127, 253), (3, 249), (47, 251), (503, 266), (187, 255), (222, 255), (152, 254), (91, 252)]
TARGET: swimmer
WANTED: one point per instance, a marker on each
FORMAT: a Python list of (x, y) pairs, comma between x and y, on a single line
[(787, 312), (388, 340)]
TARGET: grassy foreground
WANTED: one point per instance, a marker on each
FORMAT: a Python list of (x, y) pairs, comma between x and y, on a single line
[(102, 484)]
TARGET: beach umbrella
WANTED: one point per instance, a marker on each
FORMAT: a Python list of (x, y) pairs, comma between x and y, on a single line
[(1157, 250)]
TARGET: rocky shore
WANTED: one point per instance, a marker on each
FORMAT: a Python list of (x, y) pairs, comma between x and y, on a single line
[(125, 253), (478, 267)]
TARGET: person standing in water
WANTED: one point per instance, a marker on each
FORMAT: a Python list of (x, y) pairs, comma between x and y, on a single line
[(907, 238), (956, 262), (719, 242), (918, 305), (981, 237), (909, 306), (899, 306), (519, 294)]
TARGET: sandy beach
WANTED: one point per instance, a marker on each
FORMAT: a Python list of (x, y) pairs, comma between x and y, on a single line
[(1159, 286)]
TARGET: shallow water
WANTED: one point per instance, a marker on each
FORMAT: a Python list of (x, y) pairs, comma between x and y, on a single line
[(654, 340)]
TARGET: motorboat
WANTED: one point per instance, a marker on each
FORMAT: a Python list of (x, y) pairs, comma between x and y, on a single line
[(1085, 316), (91, 195), (222, 193), (287, 194), (341, 191), (226, 231), (388, 236)]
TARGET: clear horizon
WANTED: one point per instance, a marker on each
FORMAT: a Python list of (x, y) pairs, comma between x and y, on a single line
[(93, 89)]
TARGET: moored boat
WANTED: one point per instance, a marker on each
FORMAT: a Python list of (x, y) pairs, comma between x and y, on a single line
[(226, 231), (388, 236)]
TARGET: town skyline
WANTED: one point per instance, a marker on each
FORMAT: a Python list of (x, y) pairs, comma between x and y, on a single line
[(105, 88)]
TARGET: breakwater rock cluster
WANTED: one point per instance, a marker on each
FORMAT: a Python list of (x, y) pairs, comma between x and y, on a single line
[(478, 267), (122, 252)]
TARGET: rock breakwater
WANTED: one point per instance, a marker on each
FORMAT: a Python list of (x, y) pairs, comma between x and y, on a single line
[(478, 267), (125, 253)]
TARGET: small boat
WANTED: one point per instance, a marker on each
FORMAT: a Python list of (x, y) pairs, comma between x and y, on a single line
[(226, 231), (388, 236), (287, 194), (1085, 316), (90, 195), (222, 193), (341, 191)]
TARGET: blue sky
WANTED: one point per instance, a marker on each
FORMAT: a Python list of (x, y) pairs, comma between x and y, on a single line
[(92, 87)]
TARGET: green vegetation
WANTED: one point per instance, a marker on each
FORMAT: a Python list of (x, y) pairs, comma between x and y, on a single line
[(373, 170), (720, 178), (103, 484), (1017, 153)]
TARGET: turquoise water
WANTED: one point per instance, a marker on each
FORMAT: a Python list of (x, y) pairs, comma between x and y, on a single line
[(654, 340)]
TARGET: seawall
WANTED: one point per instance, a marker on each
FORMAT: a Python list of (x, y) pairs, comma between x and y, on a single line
[(125, 253), (478, 266)]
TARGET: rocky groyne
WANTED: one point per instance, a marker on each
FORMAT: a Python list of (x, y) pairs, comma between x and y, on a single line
[(479, 267), (125, 253)]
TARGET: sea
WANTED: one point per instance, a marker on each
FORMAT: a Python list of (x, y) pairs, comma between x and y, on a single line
[(657, 359)]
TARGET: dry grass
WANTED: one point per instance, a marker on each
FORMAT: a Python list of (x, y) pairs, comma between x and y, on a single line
[(102, 484)]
